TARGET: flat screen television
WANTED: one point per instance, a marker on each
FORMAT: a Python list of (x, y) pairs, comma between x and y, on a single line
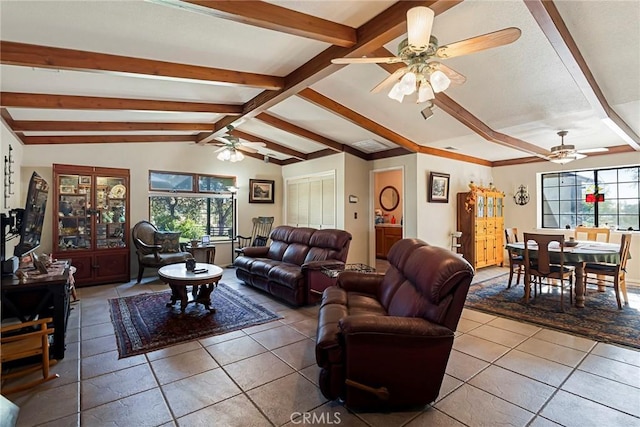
[(30, 225)]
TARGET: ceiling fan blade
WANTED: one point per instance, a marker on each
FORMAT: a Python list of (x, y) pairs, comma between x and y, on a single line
[(476, 44), (221, 148), (453, 75), (222, 139), (247, 149), (392, 77), (593, 150), (387, 60), (253, 144)]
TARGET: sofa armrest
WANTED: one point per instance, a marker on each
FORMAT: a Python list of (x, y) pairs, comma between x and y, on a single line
[(152, 248), (407, 326), (255, 251), (366, 283), (319, 265)]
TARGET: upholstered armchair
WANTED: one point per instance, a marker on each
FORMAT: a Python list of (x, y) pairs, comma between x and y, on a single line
[(156, 248), (384, 341)]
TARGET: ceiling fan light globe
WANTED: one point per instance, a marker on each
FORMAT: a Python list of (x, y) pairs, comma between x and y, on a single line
[(419, 25), (396, 93), (224, 155), (408, 83), (439, 81), (425, 92), (236, 156)]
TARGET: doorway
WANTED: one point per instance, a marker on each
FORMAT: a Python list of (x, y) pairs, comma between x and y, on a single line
[(387, 208)]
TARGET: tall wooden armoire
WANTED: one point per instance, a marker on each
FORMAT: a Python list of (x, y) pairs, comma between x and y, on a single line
[(481, 221)]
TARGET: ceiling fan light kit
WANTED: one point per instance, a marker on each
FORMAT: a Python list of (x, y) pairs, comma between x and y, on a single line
[(230, 154), (564, 153)]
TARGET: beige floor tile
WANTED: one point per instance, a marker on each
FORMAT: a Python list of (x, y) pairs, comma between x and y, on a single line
[(497, 335), (312, 373), (257, 370), (107, 362), (449, 384), (621, 354), (479, 348), (543, 422), (143, 409), (98, 345), (476, 407), (199, 391), (173, 350), (331, 413), (95, 316), (550, 351), (67, 369), (604, 391), (96, 331), (72, 335), (298, 355), (116, 385), (387, 419), (41, 406), (279, 400), (237, 411), (573, 411), (293, 315), (215, 339), (567, 340), (512, 387), (182, 365), (466, 325), (262, 327), (68, 421), (278, 337), (611, 369), (477, 316), (234, 350), (433, 418), (514, 326), (308, 327), (535, 367), (462, 366)]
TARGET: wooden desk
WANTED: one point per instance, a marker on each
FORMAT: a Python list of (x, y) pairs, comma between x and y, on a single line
[(43, 295), (578, 256), (203, 253)]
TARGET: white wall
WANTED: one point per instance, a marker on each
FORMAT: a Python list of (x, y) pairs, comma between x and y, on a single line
[(17, 199), (525, 218), (140, 158), (357, 184)]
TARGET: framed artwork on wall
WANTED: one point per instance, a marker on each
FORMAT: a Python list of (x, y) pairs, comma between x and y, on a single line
[(261, 191), (438, 187)]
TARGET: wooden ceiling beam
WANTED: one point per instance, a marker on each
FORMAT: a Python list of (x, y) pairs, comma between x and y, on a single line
[(270, 145), (72, 102), (552, 25), (72, 126), (297, 130), (104, 139), (29, 55), (273, 17), (381, 29), (8, 121), (365, 123), (465, 117)]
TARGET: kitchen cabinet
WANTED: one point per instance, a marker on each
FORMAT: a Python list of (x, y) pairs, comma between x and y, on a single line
[(386, 236)]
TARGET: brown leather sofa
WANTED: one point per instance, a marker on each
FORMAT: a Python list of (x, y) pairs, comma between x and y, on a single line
[(384, 341), (283, 267)]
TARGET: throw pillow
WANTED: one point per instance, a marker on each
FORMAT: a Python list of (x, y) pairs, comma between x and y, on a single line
[(169, 240), (260, 241)]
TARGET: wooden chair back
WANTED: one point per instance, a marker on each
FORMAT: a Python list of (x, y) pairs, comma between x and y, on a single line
[(511, 235), (592, 233), (625, 248), (542, 264)]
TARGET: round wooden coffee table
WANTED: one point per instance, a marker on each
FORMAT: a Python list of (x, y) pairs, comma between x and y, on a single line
[(178, 278)]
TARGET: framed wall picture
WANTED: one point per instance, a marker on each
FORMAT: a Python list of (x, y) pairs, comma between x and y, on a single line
[(438, 187), (261, 191)]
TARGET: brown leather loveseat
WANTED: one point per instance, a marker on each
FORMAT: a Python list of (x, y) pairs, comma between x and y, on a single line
[(283, 267), (384, 341)]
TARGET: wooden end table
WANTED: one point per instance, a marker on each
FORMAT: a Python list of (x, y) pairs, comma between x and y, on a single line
[(178, 278)]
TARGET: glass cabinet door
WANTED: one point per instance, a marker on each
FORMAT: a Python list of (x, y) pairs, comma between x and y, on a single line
[(74, 218), (499, 206), (490, 206), (480, 204), (111, 211)]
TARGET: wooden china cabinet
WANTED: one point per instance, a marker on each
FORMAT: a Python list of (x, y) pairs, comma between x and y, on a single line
[(481, 221), (91, 222)]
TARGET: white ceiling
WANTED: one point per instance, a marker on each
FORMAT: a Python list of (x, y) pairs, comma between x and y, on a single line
[(522, 90)]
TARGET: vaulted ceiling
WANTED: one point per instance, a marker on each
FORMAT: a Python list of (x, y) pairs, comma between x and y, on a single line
[(86, 72)]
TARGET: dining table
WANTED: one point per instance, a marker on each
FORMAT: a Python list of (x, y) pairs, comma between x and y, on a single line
[(578, 254)]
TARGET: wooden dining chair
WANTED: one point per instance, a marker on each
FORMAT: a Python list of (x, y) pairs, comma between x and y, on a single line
[(516, 261), (613, 274), (25, 340), (592, 234), (537, 264)]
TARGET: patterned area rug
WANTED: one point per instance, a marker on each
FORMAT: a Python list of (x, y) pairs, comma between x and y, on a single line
[(599, 320), (144, 323)]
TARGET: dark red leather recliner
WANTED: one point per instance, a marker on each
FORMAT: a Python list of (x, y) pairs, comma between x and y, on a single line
[(384, 340)]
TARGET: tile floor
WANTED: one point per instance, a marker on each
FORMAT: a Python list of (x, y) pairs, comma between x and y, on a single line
[(501, 372)]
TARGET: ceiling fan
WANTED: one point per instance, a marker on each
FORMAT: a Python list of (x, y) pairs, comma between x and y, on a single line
[(230, 146), (565, 153), (422, 74)]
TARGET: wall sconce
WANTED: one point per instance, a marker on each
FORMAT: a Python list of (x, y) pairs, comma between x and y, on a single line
[(521, 196)]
